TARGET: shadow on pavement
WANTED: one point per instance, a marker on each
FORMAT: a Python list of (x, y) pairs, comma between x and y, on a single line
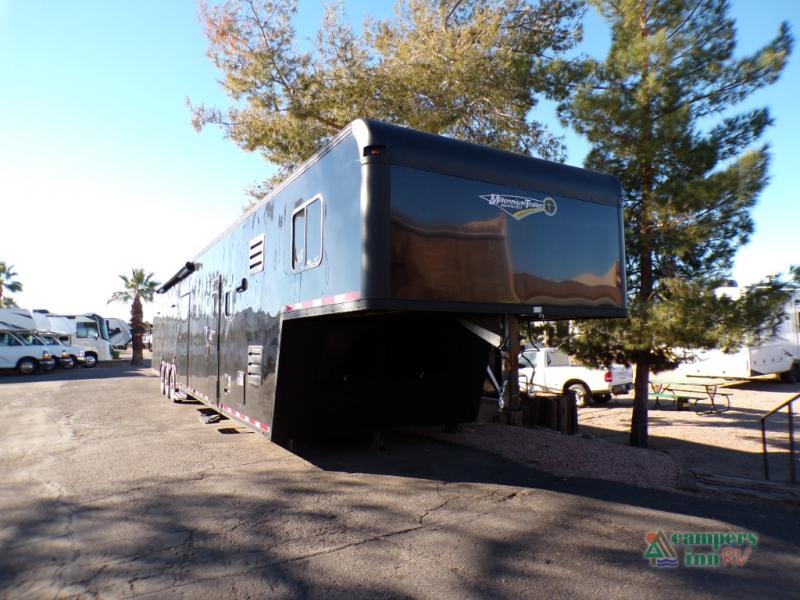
[(419, 458), (103, 370)]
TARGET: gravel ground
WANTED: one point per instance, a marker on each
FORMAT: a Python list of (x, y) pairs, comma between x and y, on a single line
[(727, 443), (569, 456)]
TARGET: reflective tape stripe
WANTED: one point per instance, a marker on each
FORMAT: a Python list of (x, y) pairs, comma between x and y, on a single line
[(245, 418), (325, 301)]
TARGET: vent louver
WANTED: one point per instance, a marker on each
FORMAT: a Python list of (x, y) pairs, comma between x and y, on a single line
[(254, 354), (256, 254)]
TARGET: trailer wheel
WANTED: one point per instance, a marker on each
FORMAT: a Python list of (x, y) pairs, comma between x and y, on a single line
[(70, 364), (162, 378), (27, 366), (792, 375), (171, 387), (581, 392), (90, 360)]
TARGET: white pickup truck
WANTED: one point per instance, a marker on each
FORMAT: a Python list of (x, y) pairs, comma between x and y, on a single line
[(550, 370)]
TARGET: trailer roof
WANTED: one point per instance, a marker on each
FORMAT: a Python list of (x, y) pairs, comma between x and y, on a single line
[(420, 150), (429, 152)]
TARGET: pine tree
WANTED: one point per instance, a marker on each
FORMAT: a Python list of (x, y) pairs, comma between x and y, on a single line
[(471, 69), (658, 113)]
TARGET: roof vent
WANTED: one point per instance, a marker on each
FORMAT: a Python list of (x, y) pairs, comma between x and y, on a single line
[(256, 254)]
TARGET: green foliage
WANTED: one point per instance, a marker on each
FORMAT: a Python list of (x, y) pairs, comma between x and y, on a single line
[(657, 111), (470, 69), (138, 287), (138, 284), (8, 283)]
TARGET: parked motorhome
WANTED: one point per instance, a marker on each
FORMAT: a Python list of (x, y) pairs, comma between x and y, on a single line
[(363, 292), (119, 333), (70, 356), (25, 358), (36, 328), (778, 355), (81, 331)]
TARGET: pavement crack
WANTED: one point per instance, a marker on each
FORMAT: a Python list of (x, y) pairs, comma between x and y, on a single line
[(421, 518), (295, 559)]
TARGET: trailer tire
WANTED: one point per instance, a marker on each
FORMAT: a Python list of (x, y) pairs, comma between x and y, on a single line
[(581, 392), (792, 375), (162, 376), (27, 365), (90, 360), (70, 364), (171, 387)]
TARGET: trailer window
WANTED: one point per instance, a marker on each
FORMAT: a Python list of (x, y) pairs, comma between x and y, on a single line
[(307, 235), (314, 233), (299, 236)]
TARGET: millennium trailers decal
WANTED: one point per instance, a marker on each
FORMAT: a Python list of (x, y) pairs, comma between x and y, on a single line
[(520, 207)]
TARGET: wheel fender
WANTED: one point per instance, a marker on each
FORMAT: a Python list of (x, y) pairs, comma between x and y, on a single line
[(573, 382)]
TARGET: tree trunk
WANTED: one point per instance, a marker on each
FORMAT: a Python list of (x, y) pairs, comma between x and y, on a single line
[(638, 435), (641, 388), (137, 327)]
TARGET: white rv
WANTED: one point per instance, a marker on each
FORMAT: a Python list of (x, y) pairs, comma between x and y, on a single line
[(34, 329), (26, 354), (83, 332), (779, 355), (119, 333)]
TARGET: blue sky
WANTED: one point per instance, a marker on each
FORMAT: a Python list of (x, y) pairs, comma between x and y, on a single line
[(100, 169)]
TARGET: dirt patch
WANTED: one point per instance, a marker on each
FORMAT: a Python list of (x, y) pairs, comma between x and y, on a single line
[(569, 456)]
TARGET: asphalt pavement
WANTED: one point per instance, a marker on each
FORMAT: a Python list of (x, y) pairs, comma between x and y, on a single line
[(108, 490)]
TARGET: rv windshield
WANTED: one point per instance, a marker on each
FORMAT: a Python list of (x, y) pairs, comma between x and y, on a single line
[(30, 340), (50, 340)]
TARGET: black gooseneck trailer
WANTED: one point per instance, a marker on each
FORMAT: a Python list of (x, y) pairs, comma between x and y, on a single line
[(355, 297)]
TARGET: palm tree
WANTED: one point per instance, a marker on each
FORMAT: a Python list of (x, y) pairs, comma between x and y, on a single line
[(138, 287), (7, 282)]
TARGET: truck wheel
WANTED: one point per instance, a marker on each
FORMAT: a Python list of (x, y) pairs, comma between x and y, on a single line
[(581, 392), (26, 366), (601, 398), (89, 360), (792, 375)]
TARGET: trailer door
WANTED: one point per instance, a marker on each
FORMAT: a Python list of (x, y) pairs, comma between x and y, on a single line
[(182, 345), (232, 349), (204, 373)]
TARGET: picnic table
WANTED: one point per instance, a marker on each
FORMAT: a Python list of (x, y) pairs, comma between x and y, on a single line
[(695, 390)]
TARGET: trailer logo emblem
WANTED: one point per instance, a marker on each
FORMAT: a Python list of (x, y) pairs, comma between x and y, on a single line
[(520, 207)]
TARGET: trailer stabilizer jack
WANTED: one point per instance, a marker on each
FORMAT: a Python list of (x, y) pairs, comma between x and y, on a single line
[(210, 416)]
